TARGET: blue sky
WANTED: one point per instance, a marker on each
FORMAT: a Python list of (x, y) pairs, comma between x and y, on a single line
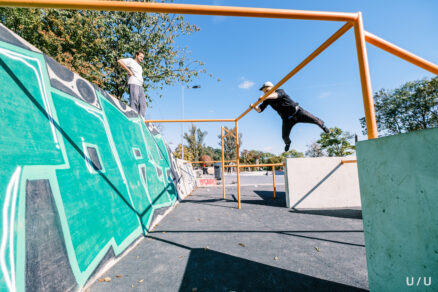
[(245, 52)]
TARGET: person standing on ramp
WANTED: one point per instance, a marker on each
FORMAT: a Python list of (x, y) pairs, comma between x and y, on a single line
[(290, 112), (137, 98)]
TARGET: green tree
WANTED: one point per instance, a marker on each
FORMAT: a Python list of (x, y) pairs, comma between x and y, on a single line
[(314, 150), (412, 106), (214, 153), (195, 140), (188, 156), (90, 42), (336, 143), (230, 145), (292, 154)]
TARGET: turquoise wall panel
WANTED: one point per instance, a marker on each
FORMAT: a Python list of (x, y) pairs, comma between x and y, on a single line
[(81, 175), (398, 178)]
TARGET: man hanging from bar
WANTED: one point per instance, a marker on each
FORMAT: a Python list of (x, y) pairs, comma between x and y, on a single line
[(290, 112)]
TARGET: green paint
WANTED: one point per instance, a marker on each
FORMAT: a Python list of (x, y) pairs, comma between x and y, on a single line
[(45, 133), (398, 178)]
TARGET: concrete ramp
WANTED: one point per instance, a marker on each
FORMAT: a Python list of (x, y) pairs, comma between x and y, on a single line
[(82, 177)]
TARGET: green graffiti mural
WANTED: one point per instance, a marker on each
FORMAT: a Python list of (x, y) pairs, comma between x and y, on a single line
[(81, 177)]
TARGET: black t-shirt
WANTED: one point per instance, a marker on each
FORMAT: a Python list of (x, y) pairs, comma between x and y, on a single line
[(284, 105)]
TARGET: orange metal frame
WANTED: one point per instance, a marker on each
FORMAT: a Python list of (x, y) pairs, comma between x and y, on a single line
[(352, 20)]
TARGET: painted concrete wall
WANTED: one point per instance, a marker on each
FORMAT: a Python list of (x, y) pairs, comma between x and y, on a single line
[(399, 187), (81, 175), (321, 183)]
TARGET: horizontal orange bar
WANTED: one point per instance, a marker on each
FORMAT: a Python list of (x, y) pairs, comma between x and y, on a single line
[(348, 161), (306, 61), (256, 165), (401, 53), (189, 121), (181, 9), (213, 161)]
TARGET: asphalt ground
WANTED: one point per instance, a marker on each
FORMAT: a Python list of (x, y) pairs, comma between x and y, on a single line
[(207, 244)]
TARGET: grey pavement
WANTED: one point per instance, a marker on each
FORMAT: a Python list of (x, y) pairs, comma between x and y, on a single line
[(207, 244)]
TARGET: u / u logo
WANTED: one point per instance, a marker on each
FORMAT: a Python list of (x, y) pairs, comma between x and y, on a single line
[(410, 281)]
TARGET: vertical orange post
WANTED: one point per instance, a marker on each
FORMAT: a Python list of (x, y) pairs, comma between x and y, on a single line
[(238, 164), (273, 181), (365, 80), (223, 165)]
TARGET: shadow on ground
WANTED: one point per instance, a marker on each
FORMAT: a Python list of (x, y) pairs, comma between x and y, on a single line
[(265, 198), (209, 270), (340, 213)]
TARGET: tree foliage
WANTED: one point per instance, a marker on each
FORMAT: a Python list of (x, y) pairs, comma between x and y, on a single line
[(413, 106), (188, 156), (314, 150), (230, 144), (90, 42), (336, 143), (195, 141)]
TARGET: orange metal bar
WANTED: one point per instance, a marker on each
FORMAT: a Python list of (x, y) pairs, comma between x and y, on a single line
[(367, 92), (273, 182), (210, 161), (401, 53), (223, 164), (238, 165), (230, 133), (348, 161), (181, 9), (189, 121), (257, 165), (306, 61)]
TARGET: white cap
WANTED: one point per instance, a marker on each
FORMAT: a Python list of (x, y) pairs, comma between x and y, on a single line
[(266, 84)]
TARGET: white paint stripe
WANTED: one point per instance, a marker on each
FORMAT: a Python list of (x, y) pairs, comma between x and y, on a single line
[(12, 229), (42, 88), (13, 183)]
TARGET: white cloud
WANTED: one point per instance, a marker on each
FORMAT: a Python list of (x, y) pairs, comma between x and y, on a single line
[(324, 94), (246, 84), (267, 148)]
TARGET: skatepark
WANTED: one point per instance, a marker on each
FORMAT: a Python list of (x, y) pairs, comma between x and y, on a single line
[(93, 198)]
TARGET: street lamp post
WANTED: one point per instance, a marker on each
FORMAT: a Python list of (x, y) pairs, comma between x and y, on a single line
[(182, 114)]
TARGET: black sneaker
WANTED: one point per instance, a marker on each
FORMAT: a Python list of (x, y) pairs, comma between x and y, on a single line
[(286, 147), (325, 129)]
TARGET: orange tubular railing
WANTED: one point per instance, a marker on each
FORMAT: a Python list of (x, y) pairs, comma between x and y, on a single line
[(273, 165), (181, 9), (399, 52), (365, 80), (348, 161), (351, 19), (190, 121)]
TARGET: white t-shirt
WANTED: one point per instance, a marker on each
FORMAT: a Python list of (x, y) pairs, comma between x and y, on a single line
[(135, 67)]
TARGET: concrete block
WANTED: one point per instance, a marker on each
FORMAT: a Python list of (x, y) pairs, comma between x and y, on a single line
[(321, 183), (399, 188)]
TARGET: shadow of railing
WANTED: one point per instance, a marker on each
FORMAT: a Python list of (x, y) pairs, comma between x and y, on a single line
[(348, 213), (317, 185)]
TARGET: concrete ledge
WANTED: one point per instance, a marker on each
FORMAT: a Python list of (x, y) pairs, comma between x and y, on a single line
[(321, 183), (399, 187)]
